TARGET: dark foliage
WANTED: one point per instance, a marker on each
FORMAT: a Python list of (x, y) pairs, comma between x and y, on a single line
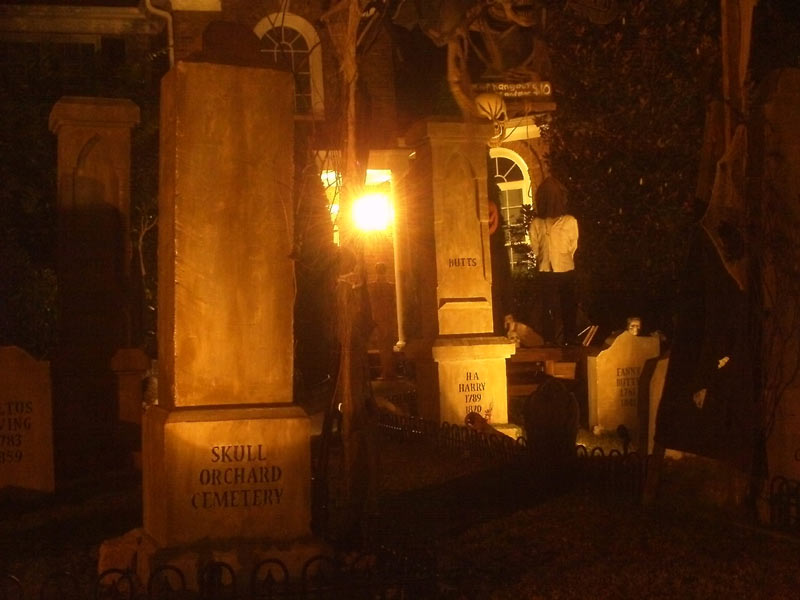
[(27, 218), (625, 140)]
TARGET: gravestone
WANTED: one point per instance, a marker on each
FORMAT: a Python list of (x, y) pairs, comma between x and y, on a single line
[(613, 382), (472, 378), (651, 386), (552, 419), (26, 422), (226, 459), (447, 293), (224, 427)]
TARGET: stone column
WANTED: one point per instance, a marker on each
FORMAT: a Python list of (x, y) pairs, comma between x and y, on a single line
[(460, 364), (93, 257), (226, 455)]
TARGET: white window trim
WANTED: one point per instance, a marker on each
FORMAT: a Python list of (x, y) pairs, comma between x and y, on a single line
[(286, 19), (524, 185), (501, 152)]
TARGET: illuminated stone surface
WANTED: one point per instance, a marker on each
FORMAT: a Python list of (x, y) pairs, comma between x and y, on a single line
[(452, 213), (613, 381), (227, 474), (225, 236), (446, 288), (226, 457), (26, 422), (472, 378)]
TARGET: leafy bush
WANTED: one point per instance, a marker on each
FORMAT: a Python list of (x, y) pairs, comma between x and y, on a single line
[(625, 140)]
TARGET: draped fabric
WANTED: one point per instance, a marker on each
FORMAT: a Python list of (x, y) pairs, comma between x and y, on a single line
[(711, 352)]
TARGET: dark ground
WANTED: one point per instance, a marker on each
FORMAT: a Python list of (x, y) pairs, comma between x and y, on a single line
[(492, 533)]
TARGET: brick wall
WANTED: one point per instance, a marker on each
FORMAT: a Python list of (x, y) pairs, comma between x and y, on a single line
[(376, 77), (188, 29), (377, 74)]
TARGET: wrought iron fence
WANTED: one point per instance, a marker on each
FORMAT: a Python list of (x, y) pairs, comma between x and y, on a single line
[(374, 576), (614, 473), (594, 470), (459, 438), (784, 504)]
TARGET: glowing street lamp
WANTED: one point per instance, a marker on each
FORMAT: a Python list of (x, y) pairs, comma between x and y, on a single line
[(373, 212)]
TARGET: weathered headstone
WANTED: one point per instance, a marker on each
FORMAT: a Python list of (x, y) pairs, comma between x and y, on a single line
[(552, 419), (226, 458), (651, 386), (613, 381), (448, 295), (26, 422), (223, 474), (472, 378), (224, 428)]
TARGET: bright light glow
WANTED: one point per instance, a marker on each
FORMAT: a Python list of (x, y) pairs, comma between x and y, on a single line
[(332, 181), (373, 212), (330, 178), (377, 176)]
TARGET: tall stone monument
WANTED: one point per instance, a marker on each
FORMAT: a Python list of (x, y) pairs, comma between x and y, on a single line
[(93, 257), (448, 299), (226, 455)]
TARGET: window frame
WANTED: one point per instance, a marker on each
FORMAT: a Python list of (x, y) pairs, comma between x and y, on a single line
[(523, 184), (307, 31)]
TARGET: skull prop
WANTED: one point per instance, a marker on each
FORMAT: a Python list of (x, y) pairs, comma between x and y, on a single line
[(521, 12), (493, 107)]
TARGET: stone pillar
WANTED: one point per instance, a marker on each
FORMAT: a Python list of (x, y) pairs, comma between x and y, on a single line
[(460, 364), (93, 257), (226, 456)]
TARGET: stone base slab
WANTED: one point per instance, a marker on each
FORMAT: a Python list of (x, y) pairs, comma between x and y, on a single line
[(472, 377), (226, 473)]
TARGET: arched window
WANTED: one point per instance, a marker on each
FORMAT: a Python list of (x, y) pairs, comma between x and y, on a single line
[(290, 41), (510, 173)]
